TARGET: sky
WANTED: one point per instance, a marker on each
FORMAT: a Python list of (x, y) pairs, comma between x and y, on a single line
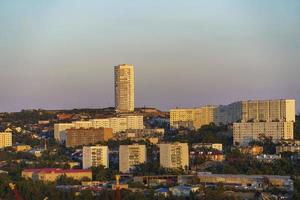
[(59, 54)]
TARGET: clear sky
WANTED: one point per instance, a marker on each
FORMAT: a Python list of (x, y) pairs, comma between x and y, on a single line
[(60, 53)]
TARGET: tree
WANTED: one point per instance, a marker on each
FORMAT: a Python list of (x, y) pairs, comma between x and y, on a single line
[(64, 180)]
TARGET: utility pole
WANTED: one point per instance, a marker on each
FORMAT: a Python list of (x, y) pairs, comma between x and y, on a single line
[(118, 192)]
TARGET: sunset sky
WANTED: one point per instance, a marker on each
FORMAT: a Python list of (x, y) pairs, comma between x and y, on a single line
[(57, 54)]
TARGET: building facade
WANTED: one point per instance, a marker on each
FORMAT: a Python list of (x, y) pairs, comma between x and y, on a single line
[(20, 148), (174, 155), (288, 146), (118, 124), (243, 133), (193, 118), (51, 175), (283, 110), (5, 139), (95, 156), (131, 156), (217, 146), (124, 88), (250, 182), (257, 111), (77, 137)]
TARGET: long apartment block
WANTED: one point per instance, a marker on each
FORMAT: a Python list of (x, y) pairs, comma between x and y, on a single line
[(118, 124), (283, 110)]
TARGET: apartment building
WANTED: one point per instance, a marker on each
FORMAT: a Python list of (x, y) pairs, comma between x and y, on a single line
[(5, 139), (95, 156), (124, 88), (256, 111), (118, 124), (245, 132), (51, 175), (131, 156), (243, 111), (77, 137), (192, 118), (174, 155)]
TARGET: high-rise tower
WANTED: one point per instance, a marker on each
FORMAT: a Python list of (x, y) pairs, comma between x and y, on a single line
[(124, 88)]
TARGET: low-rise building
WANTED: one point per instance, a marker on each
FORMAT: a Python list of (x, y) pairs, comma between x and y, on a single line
[(252, 150), (288, 146), (73, 164), (214, 155), (268, 158), (183, 191), (37, 152), (157, 180), (249, 182), (51, 175), (44, 122), (216, 146), (121, 187), (20, 148)]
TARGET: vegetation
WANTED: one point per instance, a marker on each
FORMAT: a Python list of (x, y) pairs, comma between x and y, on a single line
[(206, 134), (237, 163), (103, 174)]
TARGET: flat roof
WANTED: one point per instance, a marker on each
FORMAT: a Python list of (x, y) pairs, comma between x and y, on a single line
[(53, 170)]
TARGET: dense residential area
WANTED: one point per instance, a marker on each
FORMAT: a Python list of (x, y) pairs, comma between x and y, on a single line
[(147, 158), (149, 100)]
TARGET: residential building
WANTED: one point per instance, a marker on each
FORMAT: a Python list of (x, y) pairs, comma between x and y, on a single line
[(77, 137), (51, 175), (140, 133), (121, 187), (174, 155), (193, 118), (95, 156), (252, 150), (213, 155), (243, 133), (257, 111), (250, 182), (183, 191), (288, 146), (130, 156), (268, 158), (37, 152), (5, 139), (118, 124), (283, 110), (217, 146), (124, 88), (59, 128), (20, 148)]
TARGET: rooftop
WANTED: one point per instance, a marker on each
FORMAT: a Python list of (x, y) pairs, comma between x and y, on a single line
[(53, 170)]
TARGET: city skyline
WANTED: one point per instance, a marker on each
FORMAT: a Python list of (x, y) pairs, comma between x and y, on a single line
[(61, 56)]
